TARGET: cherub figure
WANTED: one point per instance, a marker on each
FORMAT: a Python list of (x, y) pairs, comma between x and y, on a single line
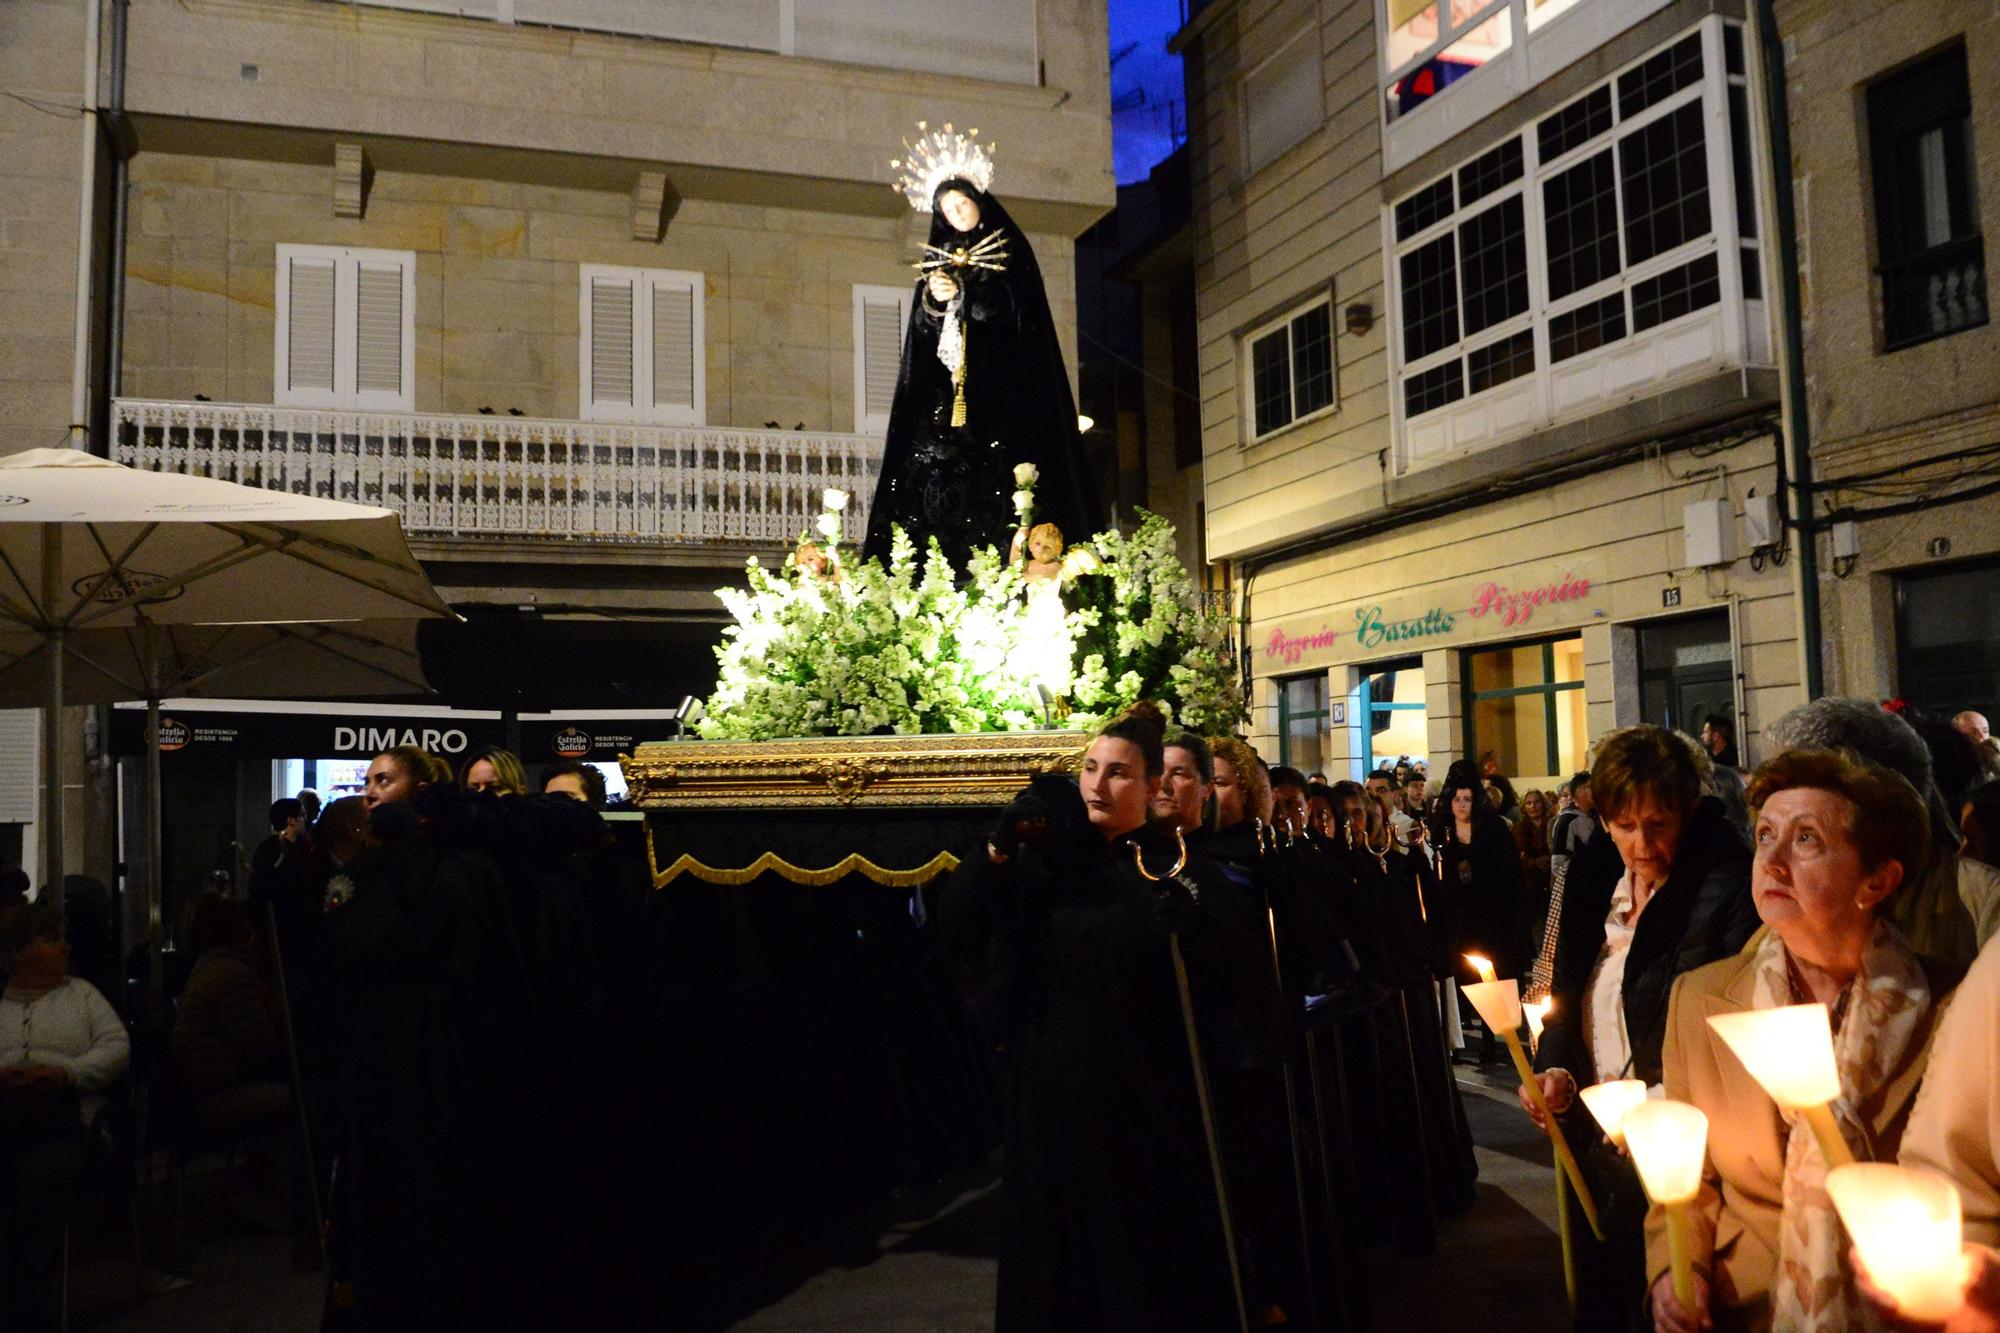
[(814, 563), (1040, 553)]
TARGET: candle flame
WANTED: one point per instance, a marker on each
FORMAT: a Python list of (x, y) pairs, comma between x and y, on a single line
[(1906, 1224), (1668, 1140), (1481, 964), (1538, 1013)]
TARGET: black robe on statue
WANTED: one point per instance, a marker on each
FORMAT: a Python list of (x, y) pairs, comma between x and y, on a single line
[(957, 483)]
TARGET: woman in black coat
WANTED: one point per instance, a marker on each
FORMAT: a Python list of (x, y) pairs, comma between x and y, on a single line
[(1667, 892), (1062, 933), (1482, 876)]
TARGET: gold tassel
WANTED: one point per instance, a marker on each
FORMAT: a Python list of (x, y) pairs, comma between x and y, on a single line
[(958, 393)]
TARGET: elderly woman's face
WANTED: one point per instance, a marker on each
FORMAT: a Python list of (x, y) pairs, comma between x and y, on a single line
[(959, 210), (1182, 792), (1808, 880), (1646, 833)]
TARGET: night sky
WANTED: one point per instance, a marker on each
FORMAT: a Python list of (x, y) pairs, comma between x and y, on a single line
[(1148, 108)]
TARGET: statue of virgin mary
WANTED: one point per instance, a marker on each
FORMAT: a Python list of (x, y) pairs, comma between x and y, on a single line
[(982, 387)]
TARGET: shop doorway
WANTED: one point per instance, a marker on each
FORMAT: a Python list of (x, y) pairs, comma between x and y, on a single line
[(1304, 723), (1390, 706), (1948, 639), (1686, 671)]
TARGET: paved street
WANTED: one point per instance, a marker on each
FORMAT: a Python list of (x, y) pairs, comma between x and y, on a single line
[(921, 1263)]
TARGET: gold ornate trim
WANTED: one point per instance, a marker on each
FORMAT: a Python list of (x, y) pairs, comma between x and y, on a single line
[(854, 863), (846, 772)]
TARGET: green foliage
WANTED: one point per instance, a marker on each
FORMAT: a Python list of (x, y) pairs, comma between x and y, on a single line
[(906, 649)]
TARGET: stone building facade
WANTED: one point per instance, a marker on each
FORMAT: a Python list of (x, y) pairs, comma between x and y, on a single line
[(598, 295), (1895, 120), (1489, 392)]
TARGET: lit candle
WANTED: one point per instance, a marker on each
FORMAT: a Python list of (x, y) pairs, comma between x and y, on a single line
[(1906, 1224), (1669, 1140), (1611, 1102), (1499, 1006), (1481, 964), (1789, 1051), (1537, 1012)]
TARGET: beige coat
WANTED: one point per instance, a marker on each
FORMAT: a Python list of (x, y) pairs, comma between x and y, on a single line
[(1956, 1126), (1734, 1220)]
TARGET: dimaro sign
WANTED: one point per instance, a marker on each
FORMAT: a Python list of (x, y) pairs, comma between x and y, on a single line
[(1499, 606)]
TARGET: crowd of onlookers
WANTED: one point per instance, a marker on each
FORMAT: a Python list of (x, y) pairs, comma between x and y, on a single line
[(333, 1027), (418, 972)]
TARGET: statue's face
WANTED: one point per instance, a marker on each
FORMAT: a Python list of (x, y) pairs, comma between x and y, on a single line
[(959, 210), (1044, 547)]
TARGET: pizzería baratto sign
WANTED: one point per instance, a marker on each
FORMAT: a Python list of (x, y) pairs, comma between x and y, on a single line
[(1480, 609)]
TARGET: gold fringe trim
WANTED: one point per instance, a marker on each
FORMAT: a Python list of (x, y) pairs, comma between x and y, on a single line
[(771, 863)]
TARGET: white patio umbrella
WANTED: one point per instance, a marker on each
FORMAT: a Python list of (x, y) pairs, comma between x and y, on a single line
[(104, 569)]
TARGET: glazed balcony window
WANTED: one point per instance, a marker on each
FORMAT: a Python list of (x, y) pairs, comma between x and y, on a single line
[(1605, 251)]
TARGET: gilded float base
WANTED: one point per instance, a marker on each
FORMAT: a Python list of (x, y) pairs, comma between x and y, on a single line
[(830, 807)]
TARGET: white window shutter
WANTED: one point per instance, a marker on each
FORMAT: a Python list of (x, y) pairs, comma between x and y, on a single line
[(307, 335), (346, 328), (378, 330), (674, 344), (880, 316), (612, 312), (640, 357)]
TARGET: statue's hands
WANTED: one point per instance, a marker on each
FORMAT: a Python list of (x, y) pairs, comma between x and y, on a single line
[(943, 286)]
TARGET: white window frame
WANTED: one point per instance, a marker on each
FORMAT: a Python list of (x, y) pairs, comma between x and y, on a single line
[(1532, 400), (347, 262), (865, 422), (639, 412), (1246, 358), (1251, 166), (1539, 46)]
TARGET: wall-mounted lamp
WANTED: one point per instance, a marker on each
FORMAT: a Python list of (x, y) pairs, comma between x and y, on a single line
[(1360, 318)]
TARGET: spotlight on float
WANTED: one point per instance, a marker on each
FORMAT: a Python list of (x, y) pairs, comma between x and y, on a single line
[(1669, 1141), (1907, 1226), (1789, 1051), (686, 713)]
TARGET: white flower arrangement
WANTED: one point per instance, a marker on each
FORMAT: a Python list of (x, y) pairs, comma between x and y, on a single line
[(905, 648)]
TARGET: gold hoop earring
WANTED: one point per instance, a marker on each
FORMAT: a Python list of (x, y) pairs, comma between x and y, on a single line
[(1180, 862)]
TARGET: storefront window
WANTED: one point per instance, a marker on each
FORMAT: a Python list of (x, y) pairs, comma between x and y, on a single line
[(1303, 729), (1948, 639), (1524, 705), (1392, 702)]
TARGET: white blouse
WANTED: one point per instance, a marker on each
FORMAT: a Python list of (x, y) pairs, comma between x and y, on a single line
[(1603, 998)]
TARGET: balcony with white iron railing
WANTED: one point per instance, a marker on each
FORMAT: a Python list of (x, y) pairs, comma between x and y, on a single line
[(483, 478)]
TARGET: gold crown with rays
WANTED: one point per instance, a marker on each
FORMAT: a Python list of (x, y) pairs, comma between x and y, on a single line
[(938, 156)]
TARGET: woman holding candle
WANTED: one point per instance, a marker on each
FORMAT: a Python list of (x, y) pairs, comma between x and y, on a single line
[(1070, 934), (1666, 892), (1767, 1246)]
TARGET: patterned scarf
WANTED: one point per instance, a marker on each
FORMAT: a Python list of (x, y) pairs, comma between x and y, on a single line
[(1886, 1007)]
